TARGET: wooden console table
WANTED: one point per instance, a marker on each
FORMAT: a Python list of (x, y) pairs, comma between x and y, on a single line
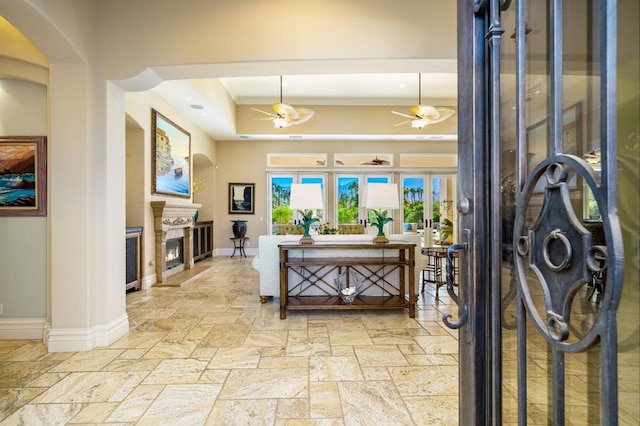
[(386, 272)]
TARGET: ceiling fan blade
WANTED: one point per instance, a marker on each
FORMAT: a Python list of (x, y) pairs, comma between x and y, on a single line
[(402, 114), (270, 114), (304, 114), (403, 122)]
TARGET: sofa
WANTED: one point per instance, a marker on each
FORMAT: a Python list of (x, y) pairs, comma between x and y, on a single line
[(267, 260)]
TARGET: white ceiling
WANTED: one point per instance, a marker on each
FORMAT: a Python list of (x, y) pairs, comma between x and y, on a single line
[(394, 89)]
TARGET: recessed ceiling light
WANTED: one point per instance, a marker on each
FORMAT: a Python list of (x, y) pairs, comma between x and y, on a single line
[(196, 106)]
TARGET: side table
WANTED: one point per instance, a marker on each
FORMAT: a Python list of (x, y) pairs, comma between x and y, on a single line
[(238, 244)]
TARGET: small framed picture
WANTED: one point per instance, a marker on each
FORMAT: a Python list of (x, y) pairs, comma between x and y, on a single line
[(242, 198), (23, 176)]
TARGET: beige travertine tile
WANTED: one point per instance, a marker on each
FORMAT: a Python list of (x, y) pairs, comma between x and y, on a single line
[(292, 408), (433, 410), (425, 380), (324, 400), (266, 338), (284, 362), (172, 371), (169, 348), (301, 345), (210, 353), (373, 402), (92, 387), (139, 340), (92, 413), (228, 358), (267, 383), (20, 374), (12, 399), (177, 405), (380, 355), (256, 412), (43, 414), (334, 368), (137, 402)]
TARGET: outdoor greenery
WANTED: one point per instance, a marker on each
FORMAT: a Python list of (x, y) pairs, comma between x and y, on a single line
[(282, 214), (348, 203), (413, 205), (280, 196)]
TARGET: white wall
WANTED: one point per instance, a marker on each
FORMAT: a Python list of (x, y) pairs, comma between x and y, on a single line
[(23, 240)]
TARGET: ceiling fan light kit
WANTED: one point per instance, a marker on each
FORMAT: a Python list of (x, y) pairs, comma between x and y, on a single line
[(286, 115), (423, 115)]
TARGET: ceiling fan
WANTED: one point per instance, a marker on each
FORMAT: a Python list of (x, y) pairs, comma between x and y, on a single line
[(285, 115), (376, 162), (424, 115)]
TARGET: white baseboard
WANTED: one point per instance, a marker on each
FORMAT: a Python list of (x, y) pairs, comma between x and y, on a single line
[(229, 251), (148, 281), (85, 339), (22, 328)]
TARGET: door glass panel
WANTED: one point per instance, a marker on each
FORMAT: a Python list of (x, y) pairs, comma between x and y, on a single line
[(282, 217), (413, 204), (443, 201), (281, 214), (581, 127), (347, 193)]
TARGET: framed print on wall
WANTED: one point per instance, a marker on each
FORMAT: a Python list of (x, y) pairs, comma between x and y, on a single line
[(23, 176), (242, 198), (170, 158)]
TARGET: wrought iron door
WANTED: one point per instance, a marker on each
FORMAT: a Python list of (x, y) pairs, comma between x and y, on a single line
[(540, 241)]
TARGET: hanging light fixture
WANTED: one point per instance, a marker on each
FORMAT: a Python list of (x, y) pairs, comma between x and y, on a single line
[(423, 115), (285, 114)]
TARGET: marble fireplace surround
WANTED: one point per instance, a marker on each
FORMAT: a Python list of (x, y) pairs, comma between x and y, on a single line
[(172, 220)]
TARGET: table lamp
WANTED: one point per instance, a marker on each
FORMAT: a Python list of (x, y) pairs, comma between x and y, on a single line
[(380, 197), (306, 197)]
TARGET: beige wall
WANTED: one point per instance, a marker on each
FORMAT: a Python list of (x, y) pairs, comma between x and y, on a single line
[(139, 180), (246, 161)]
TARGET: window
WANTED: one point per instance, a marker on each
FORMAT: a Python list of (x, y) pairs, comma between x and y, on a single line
[(280, 193)]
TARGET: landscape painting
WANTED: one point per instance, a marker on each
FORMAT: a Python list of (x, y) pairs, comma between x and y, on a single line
[(171, 157), (23, 173)]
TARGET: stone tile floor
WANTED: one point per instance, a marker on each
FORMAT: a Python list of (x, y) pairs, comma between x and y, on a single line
[(209, 353)]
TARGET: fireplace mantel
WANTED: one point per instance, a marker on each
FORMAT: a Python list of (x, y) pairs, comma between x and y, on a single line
[(172, 220)]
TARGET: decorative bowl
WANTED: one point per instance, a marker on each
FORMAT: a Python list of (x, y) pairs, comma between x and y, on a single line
[(347, 287)]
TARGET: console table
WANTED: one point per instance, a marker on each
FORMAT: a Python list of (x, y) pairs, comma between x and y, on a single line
[(386, 272)]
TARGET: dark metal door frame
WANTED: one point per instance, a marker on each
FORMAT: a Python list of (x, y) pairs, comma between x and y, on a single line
[(560, 270)]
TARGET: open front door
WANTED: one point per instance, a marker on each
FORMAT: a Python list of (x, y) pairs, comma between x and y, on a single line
[(544, 139)]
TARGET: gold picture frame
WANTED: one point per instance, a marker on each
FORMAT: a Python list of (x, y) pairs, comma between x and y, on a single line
[(170, 157), (23, 176)]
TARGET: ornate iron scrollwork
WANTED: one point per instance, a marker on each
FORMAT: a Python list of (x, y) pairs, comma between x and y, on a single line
[(558, 248)]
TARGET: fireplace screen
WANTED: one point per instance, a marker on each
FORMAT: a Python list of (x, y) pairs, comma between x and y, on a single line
[(174, 255)]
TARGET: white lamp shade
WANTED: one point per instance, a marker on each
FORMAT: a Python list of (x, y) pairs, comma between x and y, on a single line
[(381, 196), (306, 196)]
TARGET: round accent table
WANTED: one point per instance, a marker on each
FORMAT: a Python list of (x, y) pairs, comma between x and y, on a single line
[(238, 245)]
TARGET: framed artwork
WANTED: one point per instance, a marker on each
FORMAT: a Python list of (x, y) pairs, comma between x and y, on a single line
[(242, 198), (170, 157), (23, 176)]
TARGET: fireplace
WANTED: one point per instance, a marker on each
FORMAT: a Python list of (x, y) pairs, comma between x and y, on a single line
[(174, 254), (173, 227)]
